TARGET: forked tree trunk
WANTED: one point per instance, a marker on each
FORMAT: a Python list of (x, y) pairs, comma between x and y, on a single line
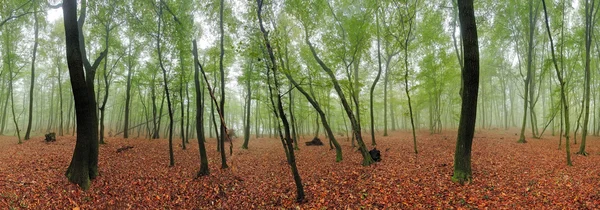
[(84, 164)]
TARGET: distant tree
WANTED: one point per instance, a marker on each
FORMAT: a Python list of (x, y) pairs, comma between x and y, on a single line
[(470, 77)]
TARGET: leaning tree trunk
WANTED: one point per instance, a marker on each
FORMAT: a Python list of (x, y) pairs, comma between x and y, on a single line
[(288, 138), (367, 159), (470, 89), (317, 107)]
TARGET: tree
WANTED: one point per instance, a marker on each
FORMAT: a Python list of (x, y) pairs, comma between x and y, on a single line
[(528, 78), (33, 57), (470, 89), (288, 139), (165, 83), (199, 116), (373, 142), (590, 19), (222, 89), (561, 82), (84, 164)]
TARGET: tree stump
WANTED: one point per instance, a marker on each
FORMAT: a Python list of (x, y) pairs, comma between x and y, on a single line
[(375, 154), (50, 137), (315, 142), (124, 148)]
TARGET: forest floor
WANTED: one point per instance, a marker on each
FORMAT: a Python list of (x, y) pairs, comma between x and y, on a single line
[(506, 175)]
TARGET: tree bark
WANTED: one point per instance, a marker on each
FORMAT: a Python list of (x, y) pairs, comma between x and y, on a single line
[(470, 78), (204, 170), (84, 164)]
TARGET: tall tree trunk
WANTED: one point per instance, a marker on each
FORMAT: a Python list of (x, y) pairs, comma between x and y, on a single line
[(590, 19), (199, 116), (84, 164), (60, 98), (164, 71), (528, 77), (373, 143), (406, 88), (183, 81), (105, 74), (562, 87), (33, 57), (222, 100), (128, 91), (11, 93), (247, 113), (470, 78), (288, 138), (4, 111)]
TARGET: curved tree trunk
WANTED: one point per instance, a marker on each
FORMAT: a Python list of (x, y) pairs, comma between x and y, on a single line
[(561, 81), (31, 87), (367, 159), (288, 138), (317, 107)]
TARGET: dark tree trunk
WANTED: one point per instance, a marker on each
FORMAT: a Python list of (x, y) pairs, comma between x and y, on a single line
[(563, 96), (199, 116), (164, 71), (128, 92), (373, 143), (222, 100), (470, 78), (31, 87), (183, 82), (84, 164), (247, 113), (60, 99)]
